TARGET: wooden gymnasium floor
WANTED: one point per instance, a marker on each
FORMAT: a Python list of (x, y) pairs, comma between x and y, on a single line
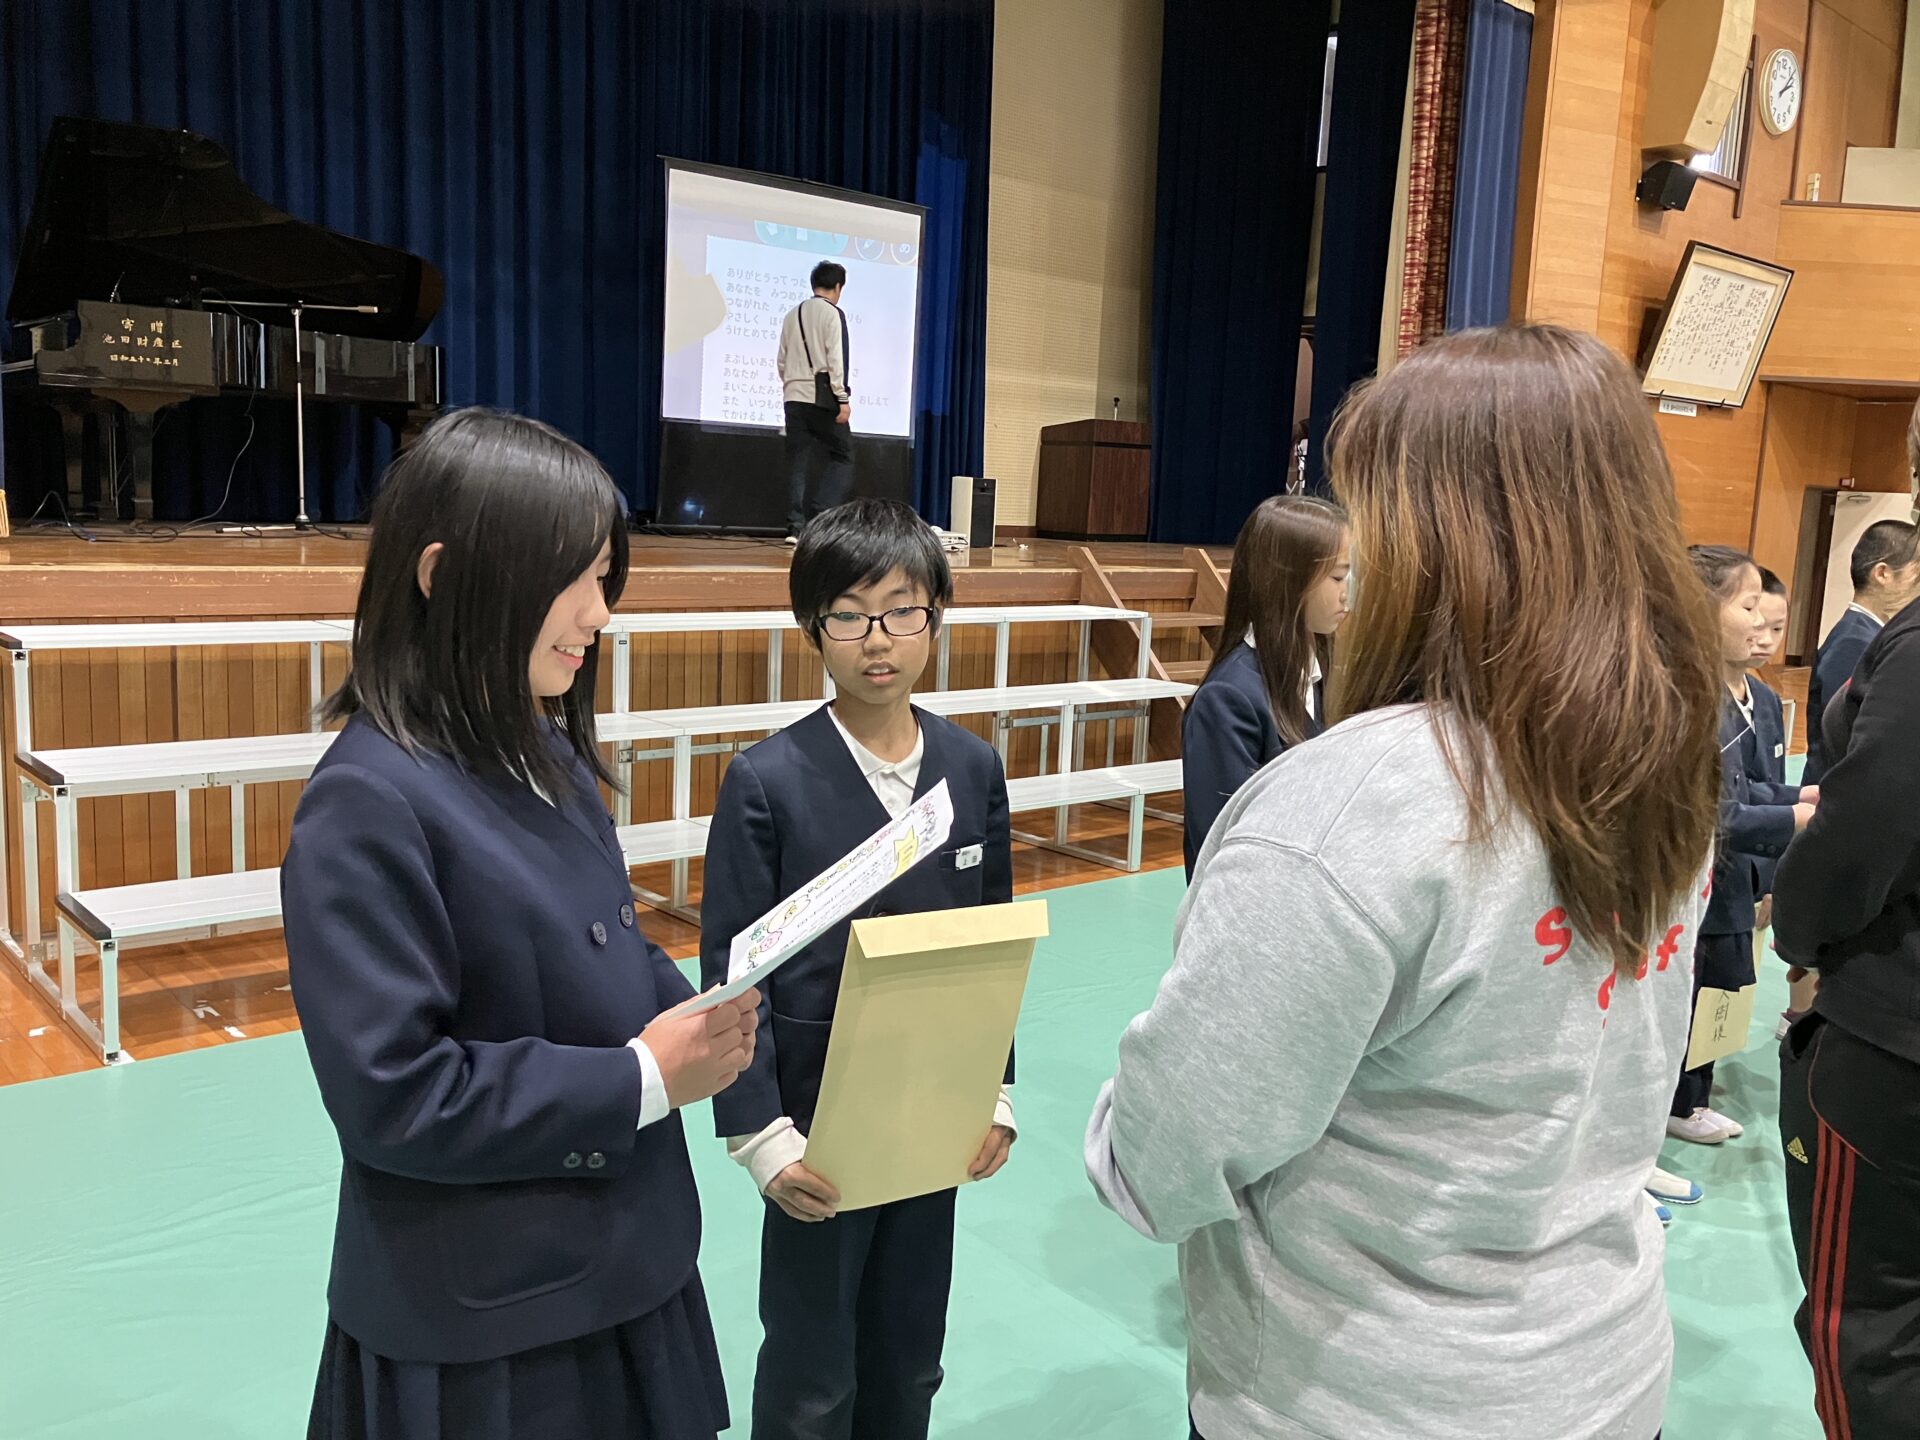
[(207, 993)]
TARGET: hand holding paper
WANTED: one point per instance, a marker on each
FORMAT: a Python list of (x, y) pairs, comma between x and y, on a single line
[(827, 899), (701, 1052)]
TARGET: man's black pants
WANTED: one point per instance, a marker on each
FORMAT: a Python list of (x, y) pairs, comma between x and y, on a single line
[(819, 463), (1850, 1127)]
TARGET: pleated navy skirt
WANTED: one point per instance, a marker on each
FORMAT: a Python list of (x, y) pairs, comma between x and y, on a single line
[(653, 1378)]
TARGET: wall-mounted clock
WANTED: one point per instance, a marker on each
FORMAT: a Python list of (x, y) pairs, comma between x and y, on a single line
[(1780, 91)]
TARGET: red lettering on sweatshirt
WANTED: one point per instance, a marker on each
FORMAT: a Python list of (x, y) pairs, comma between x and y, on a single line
[(1553, 935), (1669, 947)]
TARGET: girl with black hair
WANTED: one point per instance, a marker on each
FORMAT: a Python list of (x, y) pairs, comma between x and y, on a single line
[(502, 1053), (1758, 819), (1266, 687)]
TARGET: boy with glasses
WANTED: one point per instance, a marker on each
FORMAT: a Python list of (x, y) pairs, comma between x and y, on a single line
[(853, 1306)]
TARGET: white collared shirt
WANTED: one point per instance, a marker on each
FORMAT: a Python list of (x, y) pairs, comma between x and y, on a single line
[(781, 1144), (1878, 623), (893, 781)]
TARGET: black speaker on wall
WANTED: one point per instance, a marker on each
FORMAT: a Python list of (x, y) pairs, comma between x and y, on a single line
[(1667, 184)]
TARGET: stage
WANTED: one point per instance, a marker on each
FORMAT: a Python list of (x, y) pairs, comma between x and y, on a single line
[(125, 573), (210, 991)]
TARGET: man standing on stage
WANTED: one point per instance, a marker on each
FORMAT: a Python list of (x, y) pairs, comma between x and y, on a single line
[(813, 372)]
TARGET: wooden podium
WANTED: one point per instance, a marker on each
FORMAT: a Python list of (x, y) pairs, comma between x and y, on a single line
[(1093, 480)]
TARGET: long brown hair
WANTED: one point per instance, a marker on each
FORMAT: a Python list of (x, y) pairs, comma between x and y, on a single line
[(1521, 568), (1289, 544)]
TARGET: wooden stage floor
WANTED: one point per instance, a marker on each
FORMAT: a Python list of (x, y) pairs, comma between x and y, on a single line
[(121, 572)]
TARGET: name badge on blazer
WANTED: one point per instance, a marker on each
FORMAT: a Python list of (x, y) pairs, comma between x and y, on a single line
[(1779, 750), (967, 857)]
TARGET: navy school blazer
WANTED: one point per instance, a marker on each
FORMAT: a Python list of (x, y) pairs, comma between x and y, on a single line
[(1839, 654), (788, 808), (468, 972), (1226, 737), (1764, 753), (1756, 825)]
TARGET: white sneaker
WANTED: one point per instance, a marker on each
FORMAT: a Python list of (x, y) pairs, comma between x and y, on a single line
[(1697, 1128), (793, 539), (1671, 1189), (1732, 1127)]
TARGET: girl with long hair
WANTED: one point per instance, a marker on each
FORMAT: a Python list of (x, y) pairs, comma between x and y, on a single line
[(1758, 820), (1404, 1083), (1265, 689)]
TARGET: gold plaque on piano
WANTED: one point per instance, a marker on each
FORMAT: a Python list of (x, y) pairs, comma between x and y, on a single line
[(145, 348)]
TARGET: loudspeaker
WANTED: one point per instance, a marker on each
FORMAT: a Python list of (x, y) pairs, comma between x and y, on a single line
[(973, 510), (1668, 184)]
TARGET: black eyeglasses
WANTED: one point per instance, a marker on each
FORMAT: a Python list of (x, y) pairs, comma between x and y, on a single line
[(851, 625)]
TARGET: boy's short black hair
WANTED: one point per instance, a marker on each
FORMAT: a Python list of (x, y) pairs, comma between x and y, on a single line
[(856, 544), (522, 511), (828, 275), (1893, 543), (1770, 583)]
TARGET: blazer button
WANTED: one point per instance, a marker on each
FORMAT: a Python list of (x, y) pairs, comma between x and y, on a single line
[(596, 1161), (599, 933), (572, 1162), (626, 916)]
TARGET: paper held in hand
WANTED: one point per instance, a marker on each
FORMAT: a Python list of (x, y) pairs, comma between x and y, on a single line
[(1721, 1020), (834, 894)]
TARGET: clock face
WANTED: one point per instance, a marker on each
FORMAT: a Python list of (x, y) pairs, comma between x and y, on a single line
[(1780, 91)]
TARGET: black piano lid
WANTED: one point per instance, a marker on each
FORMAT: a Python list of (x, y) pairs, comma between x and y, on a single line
[(150, 211)]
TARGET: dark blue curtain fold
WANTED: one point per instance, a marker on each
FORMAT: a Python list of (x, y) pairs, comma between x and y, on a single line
[(1486, 195), (1239, 124), (1356, 222), (516, 145)]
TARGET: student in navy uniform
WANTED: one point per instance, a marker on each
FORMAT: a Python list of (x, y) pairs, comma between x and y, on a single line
[(1764, 748), (1266, 687), (495, 1041), (854, 1306), (1757, 821), (1885, 571)]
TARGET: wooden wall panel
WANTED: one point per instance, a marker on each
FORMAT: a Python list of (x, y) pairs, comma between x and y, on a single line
[(1573, 137), (1881, 20), (1809, 446), (1880, 447), (1851, 70), (1853, 310), (1716, 454)]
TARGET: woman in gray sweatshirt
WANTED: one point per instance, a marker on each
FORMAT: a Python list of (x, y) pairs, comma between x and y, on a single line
[(1400, 1092)]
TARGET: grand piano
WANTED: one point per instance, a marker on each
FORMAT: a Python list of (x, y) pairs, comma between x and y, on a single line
[(150, 273)]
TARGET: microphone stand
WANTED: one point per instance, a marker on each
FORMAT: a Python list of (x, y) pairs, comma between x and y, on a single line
[(298, 307)]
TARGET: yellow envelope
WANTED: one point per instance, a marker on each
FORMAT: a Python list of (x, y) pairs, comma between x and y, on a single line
[(921, 1033)]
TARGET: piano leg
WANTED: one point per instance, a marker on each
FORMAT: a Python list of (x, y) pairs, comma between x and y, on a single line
[(73, 437), (139, 465)]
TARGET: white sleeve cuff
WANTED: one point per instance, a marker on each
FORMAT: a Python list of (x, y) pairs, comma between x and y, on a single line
[(1003, 1110), (653, 1085), (765, 1155)]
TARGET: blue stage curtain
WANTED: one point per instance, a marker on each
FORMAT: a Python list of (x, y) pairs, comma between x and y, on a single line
[(1239, 123), (1363, 159), (516, 145), (1487, 180)]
